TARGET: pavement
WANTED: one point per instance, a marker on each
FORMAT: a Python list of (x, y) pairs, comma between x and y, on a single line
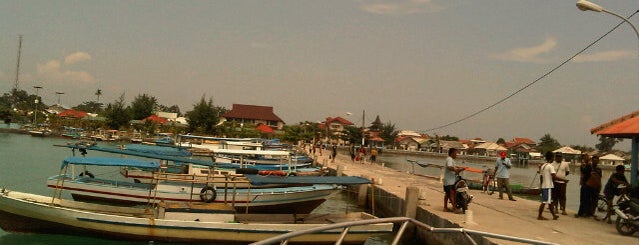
[(490, 214)]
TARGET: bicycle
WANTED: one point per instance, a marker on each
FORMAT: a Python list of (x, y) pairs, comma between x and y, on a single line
[(602, 203), (489, 182)]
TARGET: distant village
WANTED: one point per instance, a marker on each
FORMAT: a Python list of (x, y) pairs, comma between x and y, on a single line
[(261, 121)]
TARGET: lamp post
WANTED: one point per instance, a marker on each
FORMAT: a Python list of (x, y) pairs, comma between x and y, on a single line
[(37, 101), (584, 5), (58, 94)]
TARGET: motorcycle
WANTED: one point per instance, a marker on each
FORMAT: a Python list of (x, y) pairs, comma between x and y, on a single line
[(462, 198), (627, 211)]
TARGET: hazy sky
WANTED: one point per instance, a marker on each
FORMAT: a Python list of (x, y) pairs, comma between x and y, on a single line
[(419, 64)]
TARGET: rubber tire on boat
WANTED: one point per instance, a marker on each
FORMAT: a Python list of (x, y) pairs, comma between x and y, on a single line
[(208, 194), (87, 173)]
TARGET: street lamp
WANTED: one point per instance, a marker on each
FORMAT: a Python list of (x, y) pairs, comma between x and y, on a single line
[(584, 5), (59, 93), (37, 101)]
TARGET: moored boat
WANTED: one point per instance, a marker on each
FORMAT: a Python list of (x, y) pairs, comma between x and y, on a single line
[(170, 222), (296, 198)]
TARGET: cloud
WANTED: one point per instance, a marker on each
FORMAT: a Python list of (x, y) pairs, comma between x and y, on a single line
[(613, 55), (529, 54), (398, 7), (76, 57), (53, 71)]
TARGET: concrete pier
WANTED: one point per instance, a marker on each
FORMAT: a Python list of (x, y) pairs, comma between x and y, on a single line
[(489, 214)]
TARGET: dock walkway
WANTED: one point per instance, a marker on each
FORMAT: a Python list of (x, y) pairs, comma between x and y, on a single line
[(490, 214)]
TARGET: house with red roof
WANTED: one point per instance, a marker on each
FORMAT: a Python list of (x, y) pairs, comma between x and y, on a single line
[(335, 126), (254, 114), (71, 113)]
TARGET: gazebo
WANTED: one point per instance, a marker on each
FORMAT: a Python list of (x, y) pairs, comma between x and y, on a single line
[(626, 127)]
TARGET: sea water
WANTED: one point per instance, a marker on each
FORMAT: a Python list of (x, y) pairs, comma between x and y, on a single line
[(27, 161)]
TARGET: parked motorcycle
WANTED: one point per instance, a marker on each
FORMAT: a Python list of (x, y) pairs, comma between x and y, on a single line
[(628, 214), (462, 197)]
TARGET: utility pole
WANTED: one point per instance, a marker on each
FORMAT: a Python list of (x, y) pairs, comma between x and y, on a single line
[(18, 63), (363, 121)]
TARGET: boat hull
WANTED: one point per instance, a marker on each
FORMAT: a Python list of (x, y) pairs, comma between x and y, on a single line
[(297, 199), (21, 212)]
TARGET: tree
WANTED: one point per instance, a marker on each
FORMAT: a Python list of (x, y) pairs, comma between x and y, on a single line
[(352, 134), (204, 117), (607, 143), (501, 141), (547, 143), (388, 133), (89, 106), (172, 109), (143, 106), (117, 115), (98, 93)]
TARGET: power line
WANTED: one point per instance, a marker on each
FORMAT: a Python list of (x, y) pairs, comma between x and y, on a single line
[(531, 83)]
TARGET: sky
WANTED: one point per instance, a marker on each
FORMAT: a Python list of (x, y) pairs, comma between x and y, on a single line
[(418, 64)]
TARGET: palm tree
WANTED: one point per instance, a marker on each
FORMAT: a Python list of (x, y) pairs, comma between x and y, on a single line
[(98, 93)]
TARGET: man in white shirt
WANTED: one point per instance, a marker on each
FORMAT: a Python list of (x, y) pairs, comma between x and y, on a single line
[(548, 174), (559, 190)]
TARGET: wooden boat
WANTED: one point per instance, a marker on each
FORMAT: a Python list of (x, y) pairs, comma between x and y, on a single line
[(170, 222), (40, 132), (296, 198)]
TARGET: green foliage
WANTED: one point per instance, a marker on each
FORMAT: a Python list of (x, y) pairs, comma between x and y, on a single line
[(582, 148), (143, 106), (89, 106), (547, 143), (388, 133), (607, 143), (172, 109), (501, 141), (204, 116), (352, 134), (117, 114), (449, 138)]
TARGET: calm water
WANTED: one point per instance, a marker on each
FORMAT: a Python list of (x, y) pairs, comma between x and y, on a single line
[(524, 176), (27, 161)]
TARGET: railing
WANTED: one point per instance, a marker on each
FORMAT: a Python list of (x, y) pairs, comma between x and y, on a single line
[(405, 221)]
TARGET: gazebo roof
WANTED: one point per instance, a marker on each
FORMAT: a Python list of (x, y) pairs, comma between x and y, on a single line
[(624, 127)]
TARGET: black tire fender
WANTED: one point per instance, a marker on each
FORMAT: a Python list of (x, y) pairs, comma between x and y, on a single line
[(208, 194)]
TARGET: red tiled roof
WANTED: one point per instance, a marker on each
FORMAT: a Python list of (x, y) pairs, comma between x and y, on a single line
[(73, 113), (524, 140), (253, 112), (626, 126), (339, 120), (155, 119), (264, 129)]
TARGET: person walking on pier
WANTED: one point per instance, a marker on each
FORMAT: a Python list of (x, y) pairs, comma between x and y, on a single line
[(502, 168), (450, 174), (559, 190), (547, 174)]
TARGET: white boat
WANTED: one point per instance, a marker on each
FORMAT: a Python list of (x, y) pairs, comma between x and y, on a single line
[(40, 132), (171, 222), (169, 187)]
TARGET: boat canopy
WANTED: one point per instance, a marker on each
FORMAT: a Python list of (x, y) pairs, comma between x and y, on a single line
[(159, 150), (338, 180), (153, 155), (109, 161)]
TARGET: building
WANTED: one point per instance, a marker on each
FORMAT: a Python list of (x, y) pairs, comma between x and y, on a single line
[(253, 114), (334, 126)]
